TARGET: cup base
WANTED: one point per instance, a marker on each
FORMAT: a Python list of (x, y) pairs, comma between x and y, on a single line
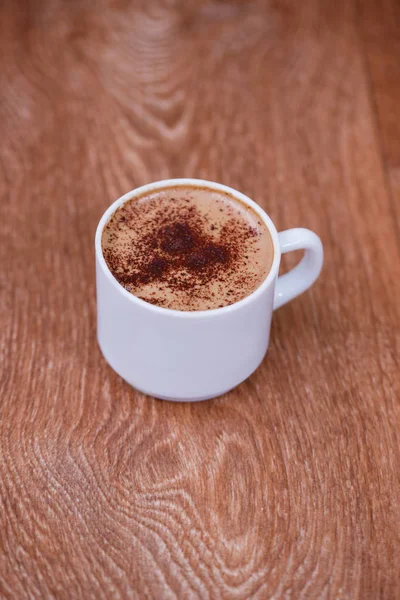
[(169, 399), (173, 399)]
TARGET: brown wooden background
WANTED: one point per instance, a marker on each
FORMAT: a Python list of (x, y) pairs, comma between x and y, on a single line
[(287, 487)]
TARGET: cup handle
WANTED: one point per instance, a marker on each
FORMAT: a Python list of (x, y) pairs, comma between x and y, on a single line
[(303, 275)]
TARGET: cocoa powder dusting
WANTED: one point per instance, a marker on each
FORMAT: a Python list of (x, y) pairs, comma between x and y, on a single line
[(170, 249)]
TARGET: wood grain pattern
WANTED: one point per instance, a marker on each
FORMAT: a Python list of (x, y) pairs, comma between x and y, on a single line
[(287, 487), (379, 26)]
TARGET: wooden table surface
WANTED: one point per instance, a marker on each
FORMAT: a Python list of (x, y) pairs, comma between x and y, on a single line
[(287, 487)]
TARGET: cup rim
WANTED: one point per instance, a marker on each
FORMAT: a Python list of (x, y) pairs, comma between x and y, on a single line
[(165, 183)]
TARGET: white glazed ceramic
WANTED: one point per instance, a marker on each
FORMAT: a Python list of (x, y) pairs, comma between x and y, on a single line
[(188, 356)]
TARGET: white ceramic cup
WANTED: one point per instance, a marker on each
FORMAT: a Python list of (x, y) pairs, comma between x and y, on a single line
[(189, 356)]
